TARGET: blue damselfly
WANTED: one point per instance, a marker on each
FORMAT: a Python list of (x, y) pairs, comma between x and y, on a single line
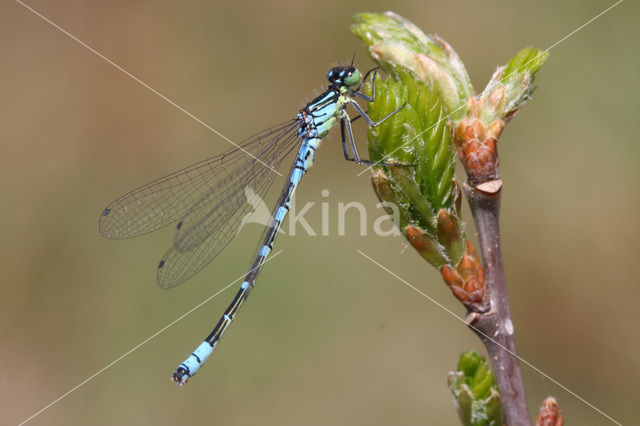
[(208, 201)]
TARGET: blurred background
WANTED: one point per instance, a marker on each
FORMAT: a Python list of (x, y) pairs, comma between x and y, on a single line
[(327, 336)]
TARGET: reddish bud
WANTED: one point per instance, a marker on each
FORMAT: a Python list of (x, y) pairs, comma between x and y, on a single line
[(467, 281), (550, 414), (451, 277)]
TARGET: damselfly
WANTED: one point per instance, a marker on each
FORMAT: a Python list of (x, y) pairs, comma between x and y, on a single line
[(207, 199)]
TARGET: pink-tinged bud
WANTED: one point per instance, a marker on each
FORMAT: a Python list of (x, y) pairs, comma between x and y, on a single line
[(477, 147), (426, 245), (466, 267), (449, 233), (467, 281), (550, 414), (451, 277)]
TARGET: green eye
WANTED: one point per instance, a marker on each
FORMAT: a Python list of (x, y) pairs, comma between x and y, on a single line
[(353, 79)]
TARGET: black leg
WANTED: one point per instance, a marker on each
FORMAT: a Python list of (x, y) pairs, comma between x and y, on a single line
[(368, 119), (345, 124), (373, 85), (362, 96), (344, 141), (369, 98), (345, 121)]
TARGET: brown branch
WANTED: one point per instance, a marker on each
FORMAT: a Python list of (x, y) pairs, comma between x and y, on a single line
[(495, 327), (476, 137)]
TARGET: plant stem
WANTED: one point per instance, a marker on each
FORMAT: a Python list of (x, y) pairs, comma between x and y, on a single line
[(495, 327)]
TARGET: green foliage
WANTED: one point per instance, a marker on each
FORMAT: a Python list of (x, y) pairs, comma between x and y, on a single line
[(428, 77), (512, 85), (375, 27), (475, 392), (417, 135), (527, 61), (399, 46)]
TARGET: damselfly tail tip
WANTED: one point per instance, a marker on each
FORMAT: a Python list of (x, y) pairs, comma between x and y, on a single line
[(180, 376)]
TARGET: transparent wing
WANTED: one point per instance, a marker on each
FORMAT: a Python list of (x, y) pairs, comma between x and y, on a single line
[(211, 223), (166, 200)]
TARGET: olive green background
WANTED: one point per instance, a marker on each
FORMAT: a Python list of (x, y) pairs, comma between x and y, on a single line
[(327, 337)]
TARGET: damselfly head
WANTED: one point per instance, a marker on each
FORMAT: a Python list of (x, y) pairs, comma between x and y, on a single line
[(344, 76)]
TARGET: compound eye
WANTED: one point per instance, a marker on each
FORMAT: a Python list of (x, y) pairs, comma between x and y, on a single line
[(353, 78)]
